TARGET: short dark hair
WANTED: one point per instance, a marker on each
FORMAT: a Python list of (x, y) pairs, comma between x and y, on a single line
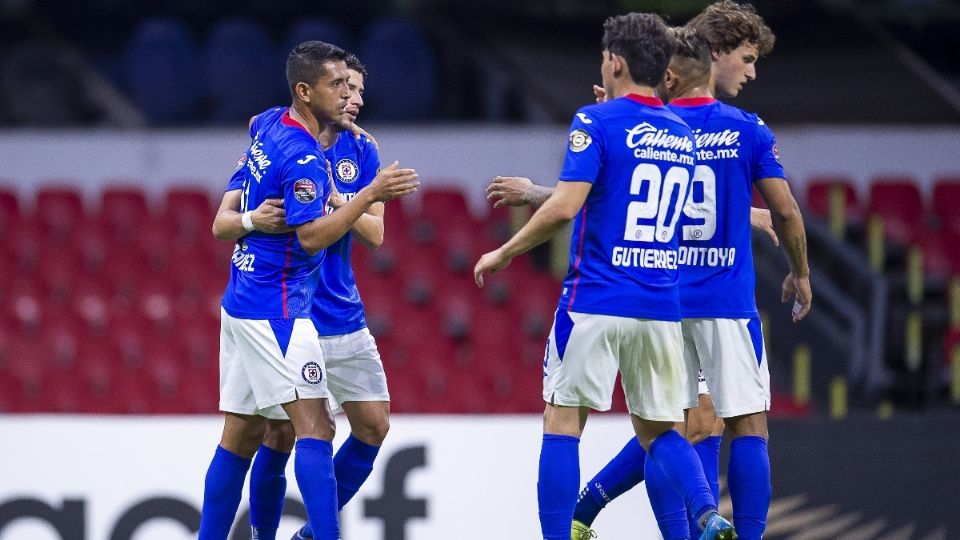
[(726, 25), (305, 64), (355, 64), (644, 42), (692, 57)]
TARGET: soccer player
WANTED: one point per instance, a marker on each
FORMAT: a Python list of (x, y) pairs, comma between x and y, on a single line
[(271, 365), (721, 326), (355, 374), (624, 182)]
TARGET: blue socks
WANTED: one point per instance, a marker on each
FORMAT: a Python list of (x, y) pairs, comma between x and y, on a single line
[(351, 467), (222, 492), (559, 478), (709, 452), (268, 485), (748, 477), (619, 476), (681, 466), (313, 464), (667, 504)]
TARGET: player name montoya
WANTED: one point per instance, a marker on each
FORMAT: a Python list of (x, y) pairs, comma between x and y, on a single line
[(651, 143), (707, 256)]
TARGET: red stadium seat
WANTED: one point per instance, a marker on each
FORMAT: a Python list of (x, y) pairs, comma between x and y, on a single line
[(123, 210), (898, 202), (10, 214), (189, 212), (59, 212), (946, 203), (941, 259), (818, 197), (443, 205)]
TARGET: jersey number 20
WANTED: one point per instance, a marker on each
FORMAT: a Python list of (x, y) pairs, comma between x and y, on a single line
[(665, 196)]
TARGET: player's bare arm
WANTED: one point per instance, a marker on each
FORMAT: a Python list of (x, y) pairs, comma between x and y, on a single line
[(269, 217), (788, 222), (369, 228), (557, 211), (390, 183), (516, 191), (761, 221)]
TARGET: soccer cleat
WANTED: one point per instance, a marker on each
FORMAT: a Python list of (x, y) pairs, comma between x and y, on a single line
[(300, 536), (579, 531), (717, 528)]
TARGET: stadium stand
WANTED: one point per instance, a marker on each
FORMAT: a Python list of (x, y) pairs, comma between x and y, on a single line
[(160, 70)]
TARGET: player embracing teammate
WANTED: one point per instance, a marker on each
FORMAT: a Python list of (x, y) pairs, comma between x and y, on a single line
[(715, 55)]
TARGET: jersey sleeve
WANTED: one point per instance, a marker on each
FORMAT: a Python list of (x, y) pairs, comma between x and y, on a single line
[(766, 162), (585, 149), (305, 183), (236, 179), (370, 164)]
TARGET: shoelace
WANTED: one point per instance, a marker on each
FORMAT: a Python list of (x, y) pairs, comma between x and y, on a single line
[(587, 534)]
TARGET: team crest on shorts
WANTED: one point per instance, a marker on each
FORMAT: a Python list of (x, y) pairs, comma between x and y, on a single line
[(347, 171), (579, 140), (312, 373), (305, 190)]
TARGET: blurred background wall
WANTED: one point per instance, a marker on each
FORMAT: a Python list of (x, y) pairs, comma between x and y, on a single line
[(120, 123)]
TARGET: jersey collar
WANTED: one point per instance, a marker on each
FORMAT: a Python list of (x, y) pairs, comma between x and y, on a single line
[(287, 120), (651, 101), (693, 101)]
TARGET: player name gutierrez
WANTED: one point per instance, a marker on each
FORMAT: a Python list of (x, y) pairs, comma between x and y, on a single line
[(704, 256), (631, 257)]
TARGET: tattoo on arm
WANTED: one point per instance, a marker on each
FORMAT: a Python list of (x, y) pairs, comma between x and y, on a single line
[(797, 253), (537, 195)]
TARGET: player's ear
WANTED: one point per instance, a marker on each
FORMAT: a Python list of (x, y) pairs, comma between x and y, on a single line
[(616, 62), (302, 91), (714, 54)]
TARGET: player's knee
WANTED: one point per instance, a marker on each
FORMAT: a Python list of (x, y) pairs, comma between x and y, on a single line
[(697, 432), (748, 425), (280, 436), (373, 433)]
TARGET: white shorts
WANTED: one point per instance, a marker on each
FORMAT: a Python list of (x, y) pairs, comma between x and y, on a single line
[(256, 377), (734, 363), (354, 369), (585, 351)]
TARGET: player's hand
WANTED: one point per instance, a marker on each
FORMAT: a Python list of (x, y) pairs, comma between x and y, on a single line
[(799, 289), (393, 182), (360, 132), (509, 191), (492, 262), (760, 221), (270, 217), (336, 199), (600, 93)]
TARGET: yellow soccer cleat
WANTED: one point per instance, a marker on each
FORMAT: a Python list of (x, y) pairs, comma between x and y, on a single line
[(579, 531)]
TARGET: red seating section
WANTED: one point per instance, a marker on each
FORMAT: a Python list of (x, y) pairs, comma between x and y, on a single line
[(111, 305), (818, 197), (898, 202)]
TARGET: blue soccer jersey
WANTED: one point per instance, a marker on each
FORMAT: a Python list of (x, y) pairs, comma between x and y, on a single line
[(272, 277), (337, 308), (734, 149), (623, 255)]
